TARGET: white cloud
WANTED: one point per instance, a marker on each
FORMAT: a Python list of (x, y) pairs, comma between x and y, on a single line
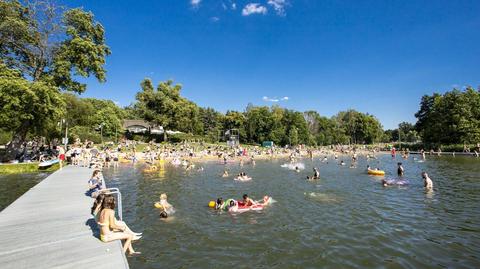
[(195, 3), (266, 99), (234, 6), (253, 8), (278, 5), (214, 19), (275, 99)]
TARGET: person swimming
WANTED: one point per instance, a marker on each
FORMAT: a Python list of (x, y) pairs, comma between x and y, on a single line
[(316, 174), (242, 177), (225, 173), (393, 182), (297, 169), (247, 201), (219, 203), (342, 163), (225, 205), (165, 206)]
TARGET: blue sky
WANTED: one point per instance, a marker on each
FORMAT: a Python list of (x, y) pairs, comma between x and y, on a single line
[(378, 57)]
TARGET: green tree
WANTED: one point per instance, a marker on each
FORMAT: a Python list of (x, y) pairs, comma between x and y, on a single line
[(212, 122), (453, 117), (360, 127), (26, 105), (165, 107), (49, 48)]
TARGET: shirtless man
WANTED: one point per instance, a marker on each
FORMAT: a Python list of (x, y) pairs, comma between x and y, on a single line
[(427, 182), (248, 201)]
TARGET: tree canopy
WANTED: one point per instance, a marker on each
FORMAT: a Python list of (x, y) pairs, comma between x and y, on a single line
[(165, 107), (43, 50), (453, 117)]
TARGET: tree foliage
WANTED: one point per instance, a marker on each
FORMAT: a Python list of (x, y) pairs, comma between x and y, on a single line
[(43, 49), (453, 117), (164, 106)]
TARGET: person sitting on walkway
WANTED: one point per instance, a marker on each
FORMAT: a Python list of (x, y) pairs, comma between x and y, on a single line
[(97, 206), (110, 228), (95, 184)]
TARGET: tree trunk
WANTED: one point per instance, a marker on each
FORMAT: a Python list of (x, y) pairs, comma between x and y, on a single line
[(13, 149)]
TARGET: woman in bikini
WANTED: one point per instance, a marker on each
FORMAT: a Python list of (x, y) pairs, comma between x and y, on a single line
[(110, 228)]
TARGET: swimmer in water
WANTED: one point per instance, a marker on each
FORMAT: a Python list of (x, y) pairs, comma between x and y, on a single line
[(427, 181), (297, 169), (400, 170), (219, 204), (165, 206), (316, 174), (386, 183), (225, 173), (248, 201), (342, 162)]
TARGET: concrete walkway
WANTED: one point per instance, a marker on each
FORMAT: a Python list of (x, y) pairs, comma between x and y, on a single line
[(50, 226)]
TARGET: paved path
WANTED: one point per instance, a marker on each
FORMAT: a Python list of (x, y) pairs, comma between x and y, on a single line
[(50, 227)]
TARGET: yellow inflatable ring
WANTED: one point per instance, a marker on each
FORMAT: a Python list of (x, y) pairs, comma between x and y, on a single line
[(212, 204), (376, 172), (158, 205)]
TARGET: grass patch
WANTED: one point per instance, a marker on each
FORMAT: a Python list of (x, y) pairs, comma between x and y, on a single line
[(21, 168)]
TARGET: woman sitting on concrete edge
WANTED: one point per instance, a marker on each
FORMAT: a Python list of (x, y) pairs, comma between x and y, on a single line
[(110, 229)]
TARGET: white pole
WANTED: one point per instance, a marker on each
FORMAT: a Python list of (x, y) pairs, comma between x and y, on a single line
[(66, 133)]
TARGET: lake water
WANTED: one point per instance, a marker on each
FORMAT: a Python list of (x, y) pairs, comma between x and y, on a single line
[(13, 186), (344, 220)]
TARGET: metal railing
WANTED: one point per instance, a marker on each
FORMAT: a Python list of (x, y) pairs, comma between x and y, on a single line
[(119, 199)]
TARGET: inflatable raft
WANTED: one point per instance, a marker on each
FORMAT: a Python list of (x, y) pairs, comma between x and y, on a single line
[(46, 164), (240, 207), (376, 172), (242, 179)]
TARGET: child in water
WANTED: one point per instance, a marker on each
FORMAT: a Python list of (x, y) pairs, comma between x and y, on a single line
[(165, 206)]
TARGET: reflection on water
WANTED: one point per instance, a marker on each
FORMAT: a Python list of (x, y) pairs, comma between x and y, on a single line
[(13, 186), (345, 219)]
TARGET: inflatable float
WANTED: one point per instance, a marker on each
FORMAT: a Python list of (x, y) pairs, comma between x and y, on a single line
[(376, 172), (150, 169), (46, 164), (242, 179), (240, 207)]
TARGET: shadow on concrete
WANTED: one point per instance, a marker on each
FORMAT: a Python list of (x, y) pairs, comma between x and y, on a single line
[(93, 227)]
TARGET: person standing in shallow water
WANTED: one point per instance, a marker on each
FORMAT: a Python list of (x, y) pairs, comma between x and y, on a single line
[(400, 170), (427, 181)]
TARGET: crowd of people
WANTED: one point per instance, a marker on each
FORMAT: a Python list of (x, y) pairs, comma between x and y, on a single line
[(88, 155)]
